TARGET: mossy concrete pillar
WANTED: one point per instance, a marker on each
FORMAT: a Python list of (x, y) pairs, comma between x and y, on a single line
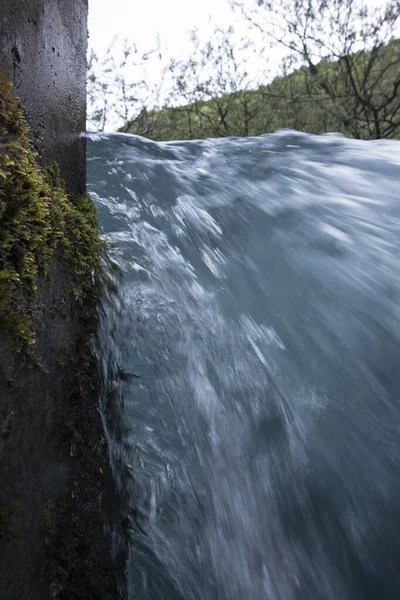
[(43, 53), (55, 475)]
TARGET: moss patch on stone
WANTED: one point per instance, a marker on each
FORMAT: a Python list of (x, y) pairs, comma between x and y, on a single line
[(37, 219), (53, 267)]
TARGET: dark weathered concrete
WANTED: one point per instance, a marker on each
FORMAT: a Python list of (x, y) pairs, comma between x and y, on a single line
[(43, 52), (57, 493), (33, 467)]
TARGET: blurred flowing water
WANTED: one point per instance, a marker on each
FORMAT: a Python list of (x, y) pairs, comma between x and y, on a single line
[(258, 330)]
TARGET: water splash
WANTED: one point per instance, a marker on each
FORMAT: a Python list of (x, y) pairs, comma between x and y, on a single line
[(260, 314)]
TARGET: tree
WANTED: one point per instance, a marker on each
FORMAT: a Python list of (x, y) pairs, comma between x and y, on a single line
[(119, 90), (352, 60), (213, 92)]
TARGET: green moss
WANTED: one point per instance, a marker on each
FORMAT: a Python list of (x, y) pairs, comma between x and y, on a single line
[(38, 219), (48, 517), (7, 515)]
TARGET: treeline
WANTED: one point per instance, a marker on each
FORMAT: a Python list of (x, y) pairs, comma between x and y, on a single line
[(315, 103), (339, 71)]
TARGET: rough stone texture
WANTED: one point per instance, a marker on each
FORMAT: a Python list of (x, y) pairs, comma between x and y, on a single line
[(58, 501), (43, 53), (56, 488), (32, 468)]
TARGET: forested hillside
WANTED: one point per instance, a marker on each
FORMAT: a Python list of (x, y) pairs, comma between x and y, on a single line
[(358, 96)]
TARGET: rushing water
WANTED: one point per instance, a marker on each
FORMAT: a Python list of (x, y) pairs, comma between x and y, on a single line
[(258, 330)]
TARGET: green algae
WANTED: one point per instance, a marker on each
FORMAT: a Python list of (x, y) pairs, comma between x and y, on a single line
[(48, 516), (37, 221), (7, 515)]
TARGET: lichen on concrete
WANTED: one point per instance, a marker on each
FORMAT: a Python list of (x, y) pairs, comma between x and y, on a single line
[(60, 498), (37, 220)]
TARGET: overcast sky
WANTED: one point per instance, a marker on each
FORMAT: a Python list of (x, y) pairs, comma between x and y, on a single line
[(141, 20)]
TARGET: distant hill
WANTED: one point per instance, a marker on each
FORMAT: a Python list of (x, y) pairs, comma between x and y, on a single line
[(357, 95)]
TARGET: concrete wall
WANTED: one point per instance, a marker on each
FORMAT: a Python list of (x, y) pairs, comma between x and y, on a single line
[(43, 52), (56, 487)]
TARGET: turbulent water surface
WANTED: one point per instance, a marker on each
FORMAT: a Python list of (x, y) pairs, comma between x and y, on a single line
[(259, 336)]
